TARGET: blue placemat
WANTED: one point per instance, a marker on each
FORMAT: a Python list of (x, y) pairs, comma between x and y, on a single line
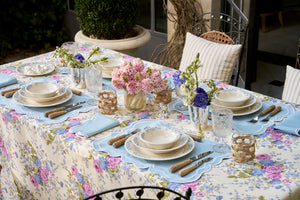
[(242, 125), (161, 167)]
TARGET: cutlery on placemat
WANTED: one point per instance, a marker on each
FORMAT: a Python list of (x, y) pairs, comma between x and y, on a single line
[(62, 112), (63, 108), (187, 170), (266, 111), (195, 137), (120, 140), (9, 93), (184, 163), (274, 112)]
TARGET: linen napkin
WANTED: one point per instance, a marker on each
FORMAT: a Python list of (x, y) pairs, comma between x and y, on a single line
[(6, 80), (290, 125), (94, 126)]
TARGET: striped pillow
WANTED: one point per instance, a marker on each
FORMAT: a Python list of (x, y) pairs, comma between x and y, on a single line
[(291, 88), (218, 60)]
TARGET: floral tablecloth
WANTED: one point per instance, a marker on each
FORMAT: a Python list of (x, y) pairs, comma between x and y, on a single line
[(48, 161)]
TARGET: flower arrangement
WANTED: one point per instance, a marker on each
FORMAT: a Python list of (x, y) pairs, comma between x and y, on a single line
[(135, 77), (78, 61), (189, 85)]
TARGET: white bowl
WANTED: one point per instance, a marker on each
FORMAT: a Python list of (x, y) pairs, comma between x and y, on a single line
[(232, 97), (60, 93), (42, 89), (159, 137)]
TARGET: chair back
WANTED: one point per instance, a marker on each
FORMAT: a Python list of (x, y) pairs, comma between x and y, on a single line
[(226, 29), (298, 56), (118, 193)]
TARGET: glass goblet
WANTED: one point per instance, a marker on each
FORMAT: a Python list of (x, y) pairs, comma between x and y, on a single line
[(222, 127), (93, 79)]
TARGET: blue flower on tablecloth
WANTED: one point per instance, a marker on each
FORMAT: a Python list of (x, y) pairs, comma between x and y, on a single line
[(267, 162), (263, 135), (173, 186), (257, 172), (219, 197), (38, 178), (48, 166), (103, 163), (80, 178), (38, 163), (278, 142), (7, 116), (60, 131)]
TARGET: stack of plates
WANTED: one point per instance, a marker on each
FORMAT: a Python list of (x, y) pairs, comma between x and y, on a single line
[(110, 65), (152, 149), (249, 105), (42, 94)]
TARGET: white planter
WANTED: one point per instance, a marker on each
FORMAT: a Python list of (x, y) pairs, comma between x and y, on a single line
[(127, 46)]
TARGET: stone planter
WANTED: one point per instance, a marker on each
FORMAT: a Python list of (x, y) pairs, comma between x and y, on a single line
[(127, 46)]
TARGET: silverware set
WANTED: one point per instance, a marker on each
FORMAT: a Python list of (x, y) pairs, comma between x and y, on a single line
[(63, 110), (120, 140), (271, 110)]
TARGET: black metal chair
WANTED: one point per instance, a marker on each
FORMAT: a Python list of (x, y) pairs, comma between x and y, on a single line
[(118, 193), (234, 26)]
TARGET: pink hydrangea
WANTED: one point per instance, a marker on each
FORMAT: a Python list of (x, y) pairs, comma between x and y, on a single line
[(87, 189)]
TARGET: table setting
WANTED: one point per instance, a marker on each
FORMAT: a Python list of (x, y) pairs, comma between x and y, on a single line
[(54, 144)]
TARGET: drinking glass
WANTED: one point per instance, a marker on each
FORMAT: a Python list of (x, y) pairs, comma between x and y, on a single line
[(222, 127), (72, 47), (93, 79)]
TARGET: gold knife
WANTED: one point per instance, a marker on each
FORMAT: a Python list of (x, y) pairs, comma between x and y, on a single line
[(187, 170), (63, 108), (184, 163)]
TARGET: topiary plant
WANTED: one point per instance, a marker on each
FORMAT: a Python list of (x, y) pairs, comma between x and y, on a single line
[(107, 19)]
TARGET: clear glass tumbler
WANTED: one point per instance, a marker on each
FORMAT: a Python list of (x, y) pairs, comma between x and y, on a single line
[(93, 80), (222, 127)]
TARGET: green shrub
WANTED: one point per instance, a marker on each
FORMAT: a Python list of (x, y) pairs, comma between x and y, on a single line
[(106, 19), (31, 24)]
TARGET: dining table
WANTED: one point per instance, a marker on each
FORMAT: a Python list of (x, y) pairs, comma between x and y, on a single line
[(69, 157)]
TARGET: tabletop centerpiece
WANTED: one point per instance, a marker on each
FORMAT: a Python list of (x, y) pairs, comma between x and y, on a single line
[(137, 80), (78, 63), (193, 96)]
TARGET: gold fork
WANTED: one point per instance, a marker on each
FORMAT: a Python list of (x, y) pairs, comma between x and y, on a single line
[(274, 112)]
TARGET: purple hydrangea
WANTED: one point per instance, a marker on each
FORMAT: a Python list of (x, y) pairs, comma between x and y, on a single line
[(79, 57), (201, 98), (177, 80)]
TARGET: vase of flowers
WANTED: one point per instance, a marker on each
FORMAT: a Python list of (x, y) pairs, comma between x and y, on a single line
[(78, 63), (137, 80), (193, 96)]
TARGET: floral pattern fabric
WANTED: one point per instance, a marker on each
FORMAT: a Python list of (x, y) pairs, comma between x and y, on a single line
[(48, 161)]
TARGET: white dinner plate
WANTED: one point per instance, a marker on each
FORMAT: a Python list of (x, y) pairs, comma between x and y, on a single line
[(47, 69), (179, 144), (61, 91), (27, 102), (246, 111), (136, 152), (251, 101)]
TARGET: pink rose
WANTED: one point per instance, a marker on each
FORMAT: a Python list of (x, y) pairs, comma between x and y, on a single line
[(44, 173), (263, 156), (273, 169), (33, 181), (274, 176), (113, 161), (87, 189), (74, 170), (14, 115), (97, 166), (276, 137)]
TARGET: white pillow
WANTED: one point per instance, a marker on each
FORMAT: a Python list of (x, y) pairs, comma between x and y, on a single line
[(291, 88), (218, 60)]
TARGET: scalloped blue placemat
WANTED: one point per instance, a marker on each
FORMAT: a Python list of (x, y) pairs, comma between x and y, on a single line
[(161, 167), (242, 125)]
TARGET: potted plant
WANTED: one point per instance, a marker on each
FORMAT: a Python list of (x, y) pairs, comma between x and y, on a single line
[(110, 24)]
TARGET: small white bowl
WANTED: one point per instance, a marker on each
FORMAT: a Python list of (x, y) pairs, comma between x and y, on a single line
[(159, 137), (60, 93), (42, 89), (232, 97)]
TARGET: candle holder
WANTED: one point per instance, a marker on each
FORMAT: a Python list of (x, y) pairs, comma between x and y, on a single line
[(242, 147), (164, 96), (107, 102)]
